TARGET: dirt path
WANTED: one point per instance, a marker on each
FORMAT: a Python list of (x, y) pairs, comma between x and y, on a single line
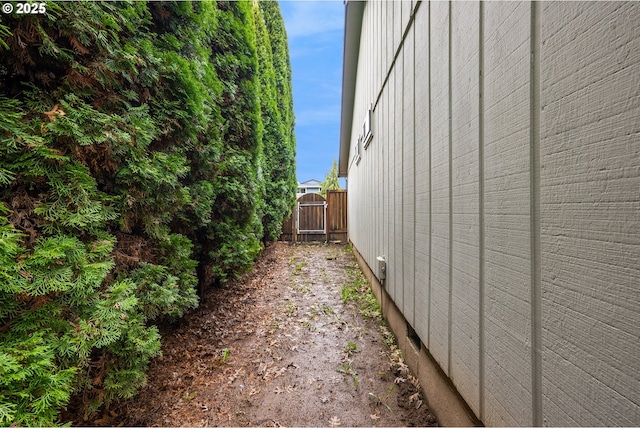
[(279, 347)]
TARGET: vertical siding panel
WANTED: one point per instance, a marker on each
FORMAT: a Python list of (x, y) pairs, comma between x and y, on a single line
[(422, 227), (377, 173), (439, 310), (507, 215), (386, 248), (389, 146), (384, 128), (398, 193), (357, 116), (406, 7), (388, 35), (396, 88), (590, 205), (393, 149), (481, 211), (353, 202), (378, 130), (365, 105), (357, 168), (465, 274), (397, 26), (376, 140), (379, 34), (377, 184), (371, 93), (408, 179), (355, 199)]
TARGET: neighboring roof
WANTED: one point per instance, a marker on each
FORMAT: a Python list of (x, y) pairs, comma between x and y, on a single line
[(309, 183), (352, 29)]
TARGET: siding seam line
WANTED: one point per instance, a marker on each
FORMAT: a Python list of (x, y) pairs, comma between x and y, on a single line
[(481, 220), (430, 179), (402, 172), (450, 372)]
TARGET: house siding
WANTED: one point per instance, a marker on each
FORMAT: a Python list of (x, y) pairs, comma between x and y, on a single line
[(502, 185)]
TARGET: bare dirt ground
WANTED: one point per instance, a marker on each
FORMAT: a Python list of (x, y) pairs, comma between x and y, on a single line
[(279, 347)]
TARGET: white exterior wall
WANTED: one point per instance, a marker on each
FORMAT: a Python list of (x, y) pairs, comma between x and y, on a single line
[(503, 186)]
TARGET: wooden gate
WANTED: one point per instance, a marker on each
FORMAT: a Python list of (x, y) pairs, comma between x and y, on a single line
[(315, 218), (311, 215)]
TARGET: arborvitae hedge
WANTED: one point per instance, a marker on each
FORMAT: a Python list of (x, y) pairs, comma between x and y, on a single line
[(277, 115), (144, 148)]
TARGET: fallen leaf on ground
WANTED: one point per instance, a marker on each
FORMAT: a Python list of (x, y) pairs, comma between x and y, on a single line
[(234, 376), (414, 381), (279, 372), (402, 367)]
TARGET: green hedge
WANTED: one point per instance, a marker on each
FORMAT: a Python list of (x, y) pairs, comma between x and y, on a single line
[(145, 148)]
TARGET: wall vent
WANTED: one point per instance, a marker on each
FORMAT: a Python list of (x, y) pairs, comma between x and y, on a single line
[(413, 337)]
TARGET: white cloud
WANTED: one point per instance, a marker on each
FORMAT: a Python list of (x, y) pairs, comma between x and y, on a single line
[(308, 18)]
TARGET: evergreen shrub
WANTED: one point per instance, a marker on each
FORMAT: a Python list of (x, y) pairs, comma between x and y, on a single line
[(146, 149)]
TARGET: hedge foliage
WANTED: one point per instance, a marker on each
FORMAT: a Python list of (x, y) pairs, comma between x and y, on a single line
[(146, 148)]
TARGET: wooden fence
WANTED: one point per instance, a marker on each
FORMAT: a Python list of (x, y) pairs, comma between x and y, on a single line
[(315, 218)]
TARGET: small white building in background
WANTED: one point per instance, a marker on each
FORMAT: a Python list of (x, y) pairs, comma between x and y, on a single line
[(493, 157), (309, 186)]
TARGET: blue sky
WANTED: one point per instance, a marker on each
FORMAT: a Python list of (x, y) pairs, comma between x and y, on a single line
[(315, 30)]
